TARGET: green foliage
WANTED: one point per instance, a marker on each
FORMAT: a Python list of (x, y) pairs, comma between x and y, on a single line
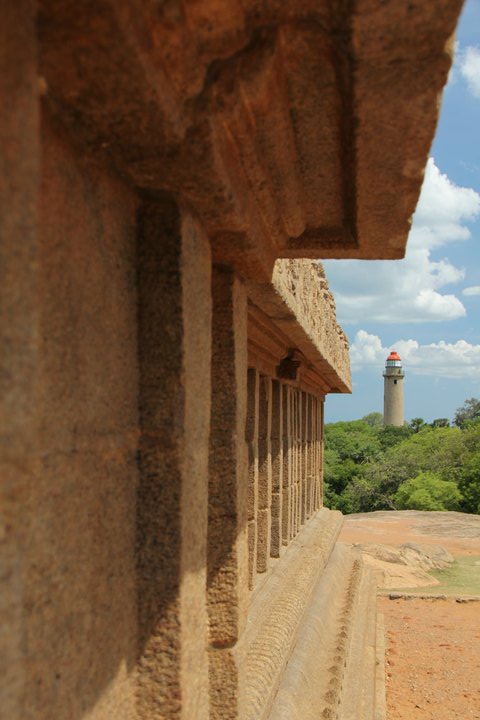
[(355, 440), (469, 484), (428, 491), (470, 410), (441, 422), (392, 435), (349, 446), (420, 466), (437, 450), (416, 424), (374, 419)]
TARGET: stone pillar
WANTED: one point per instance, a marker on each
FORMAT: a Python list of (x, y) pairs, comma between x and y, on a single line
[(313, 460), (227, 585), (277, 468), (314, 464), (321, 404), (287, 465), (174, 316), (252, 442), (298, 460), (312, 452), (303, 455), (264, 519), (294, 461), (308, 478), (318, 453)]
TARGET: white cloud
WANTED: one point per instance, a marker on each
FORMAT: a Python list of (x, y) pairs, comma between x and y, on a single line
[(411, 290), (473, 290), (442, 210), (447, 307), (470, 69), (450, 360)]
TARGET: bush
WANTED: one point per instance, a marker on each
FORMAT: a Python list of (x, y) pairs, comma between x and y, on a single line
[(428, 491)]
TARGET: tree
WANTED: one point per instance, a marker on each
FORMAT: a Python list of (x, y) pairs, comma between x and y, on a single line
[(440, 451), (428, 491), (392, 435), (469, 484), (469, 472), (440, 422), (374, 419), (366, 466), (416, 424), (354, 440), (470, 410)]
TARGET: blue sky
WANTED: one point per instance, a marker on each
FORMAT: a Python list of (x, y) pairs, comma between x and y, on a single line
[(427, 305)]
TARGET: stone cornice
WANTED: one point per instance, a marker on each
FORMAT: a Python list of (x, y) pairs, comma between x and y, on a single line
[(300, 304), (293, 129)]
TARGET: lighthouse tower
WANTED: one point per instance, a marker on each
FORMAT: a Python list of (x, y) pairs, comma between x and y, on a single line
[(393, 390)]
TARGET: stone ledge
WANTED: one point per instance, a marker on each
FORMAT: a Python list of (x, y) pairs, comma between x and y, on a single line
[(358, 696), (380, 689), (313, 683), (277, 610), (332, 672)]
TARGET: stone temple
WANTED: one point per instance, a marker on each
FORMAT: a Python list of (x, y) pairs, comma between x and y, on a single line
[(170, 173)]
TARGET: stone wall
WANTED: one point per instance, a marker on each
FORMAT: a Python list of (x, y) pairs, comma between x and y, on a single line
[(70, 487)]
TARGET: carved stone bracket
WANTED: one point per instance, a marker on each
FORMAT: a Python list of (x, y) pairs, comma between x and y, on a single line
[(289, 367)]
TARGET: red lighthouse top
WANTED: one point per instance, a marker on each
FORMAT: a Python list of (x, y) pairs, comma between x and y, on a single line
[(394, 356)]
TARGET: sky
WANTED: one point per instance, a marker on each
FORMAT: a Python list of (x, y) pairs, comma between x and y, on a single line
[(427, 305)]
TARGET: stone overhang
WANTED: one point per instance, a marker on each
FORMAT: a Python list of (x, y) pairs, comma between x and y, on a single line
[(293, 129), (292, 324)]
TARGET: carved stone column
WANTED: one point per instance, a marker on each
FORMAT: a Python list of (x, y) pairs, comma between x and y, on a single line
[(277, 467), (303, 456), (227, 582), (287, 465), (264, 474), (321, 404), (174, 309), (252, 442), (294, 421)]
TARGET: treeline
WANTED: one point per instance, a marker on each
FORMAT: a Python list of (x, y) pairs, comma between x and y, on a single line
[(420, 466)]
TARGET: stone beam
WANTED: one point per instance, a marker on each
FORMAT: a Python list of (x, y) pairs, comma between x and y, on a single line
[(297, 129), (301, 307)]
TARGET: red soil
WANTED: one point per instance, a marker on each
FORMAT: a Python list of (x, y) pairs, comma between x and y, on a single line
[(432, 646), (432, 659)]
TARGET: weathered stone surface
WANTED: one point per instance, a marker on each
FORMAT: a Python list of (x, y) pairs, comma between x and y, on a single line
[(276, 613), (71, 473), (174, 335), (245, 132), (295, 129), (300, 304), (19, 182), (227, 552), (332, 662)]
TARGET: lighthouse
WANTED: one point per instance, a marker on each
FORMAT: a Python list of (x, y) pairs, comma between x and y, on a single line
[(393, 390)]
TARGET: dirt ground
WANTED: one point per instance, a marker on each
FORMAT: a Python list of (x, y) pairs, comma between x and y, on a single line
[(432, 659), (432, 646), (456, 532)]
